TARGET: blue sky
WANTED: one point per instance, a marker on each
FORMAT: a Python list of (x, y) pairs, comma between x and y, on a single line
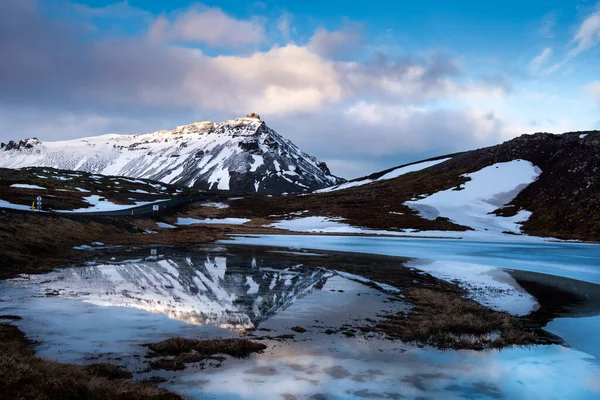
[(363, 85)]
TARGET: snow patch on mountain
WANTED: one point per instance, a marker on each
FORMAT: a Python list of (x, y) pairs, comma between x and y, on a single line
[(26, 186), (487, 190), (242, 155)]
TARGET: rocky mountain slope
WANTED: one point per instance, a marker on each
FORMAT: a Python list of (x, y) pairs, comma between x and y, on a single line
[(541, 184), (241, 155)]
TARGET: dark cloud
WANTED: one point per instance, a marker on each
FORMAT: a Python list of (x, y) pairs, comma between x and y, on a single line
[(57, 61)]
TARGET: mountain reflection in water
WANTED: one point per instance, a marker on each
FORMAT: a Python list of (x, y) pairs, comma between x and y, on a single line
[(230, 292)]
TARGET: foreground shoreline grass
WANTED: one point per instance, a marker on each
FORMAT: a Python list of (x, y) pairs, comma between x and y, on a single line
[(25, 376)]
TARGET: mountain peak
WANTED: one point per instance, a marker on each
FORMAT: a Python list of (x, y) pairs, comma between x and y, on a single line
[(242, 155)]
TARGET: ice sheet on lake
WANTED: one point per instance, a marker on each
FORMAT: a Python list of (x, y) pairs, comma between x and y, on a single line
[(570, 260)]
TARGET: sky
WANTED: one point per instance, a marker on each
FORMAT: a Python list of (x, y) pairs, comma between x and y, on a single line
[(362, 85)]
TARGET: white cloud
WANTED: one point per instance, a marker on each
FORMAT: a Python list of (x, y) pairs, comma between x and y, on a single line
[(284, 26), (588, 34), (547, 25), (593, 89), (540, 59), (282, 80), (210, 26)]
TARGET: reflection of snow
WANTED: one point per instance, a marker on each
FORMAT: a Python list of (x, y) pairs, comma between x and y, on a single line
[(487, 285), (194, 291)]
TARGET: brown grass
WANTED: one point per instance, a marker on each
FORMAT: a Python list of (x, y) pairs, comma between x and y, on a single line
[(188, 351), (24, 376), (178, 363), (231, 347), (446, 320), (37, 243)]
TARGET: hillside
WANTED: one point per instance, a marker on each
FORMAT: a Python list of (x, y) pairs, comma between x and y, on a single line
[(241, 155), (542, 184)]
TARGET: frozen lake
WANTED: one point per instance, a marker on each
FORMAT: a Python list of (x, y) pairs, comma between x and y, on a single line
[(107, 309)]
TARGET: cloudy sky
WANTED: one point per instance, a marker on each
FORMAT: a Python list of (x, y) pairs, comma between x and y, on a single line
[(363, 85)]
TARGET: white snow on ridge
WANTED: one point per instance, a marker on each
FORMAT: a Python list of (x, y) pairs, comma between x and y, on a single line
[(411, 168), (215, 205), (390, 175), (229, 221), (487, 190), (105, 205), (26, 186)]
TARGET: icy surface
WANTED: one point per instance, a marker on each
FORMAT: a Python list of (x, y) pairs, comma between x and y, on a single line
[(571, 260), (487, 190), (230, 221), (26, 186)]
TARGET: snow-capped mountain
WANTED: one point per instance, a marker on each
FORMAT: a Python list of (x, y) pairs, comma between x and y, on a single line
[(242, 155)]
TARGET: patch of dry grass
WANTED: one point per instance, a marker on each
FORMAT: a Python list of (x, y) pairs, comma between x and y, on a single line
[(446, 320), (24, 376), (231, 347), (188, 351)]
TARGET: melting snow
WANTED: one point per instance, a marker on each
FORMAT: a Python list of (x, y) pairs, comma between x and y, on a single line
[(230, 221), (26, 186), (487, 190), (104, 205), (6, 204), (215, 205), (165, 225)]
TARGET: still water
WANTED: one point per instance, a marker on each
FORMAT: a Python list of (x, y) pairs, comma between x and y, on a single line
[(123, 298)]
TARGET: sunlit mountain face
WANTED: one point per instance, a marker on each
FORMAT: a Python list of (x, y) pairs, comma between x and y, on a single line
[(229, 291)]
